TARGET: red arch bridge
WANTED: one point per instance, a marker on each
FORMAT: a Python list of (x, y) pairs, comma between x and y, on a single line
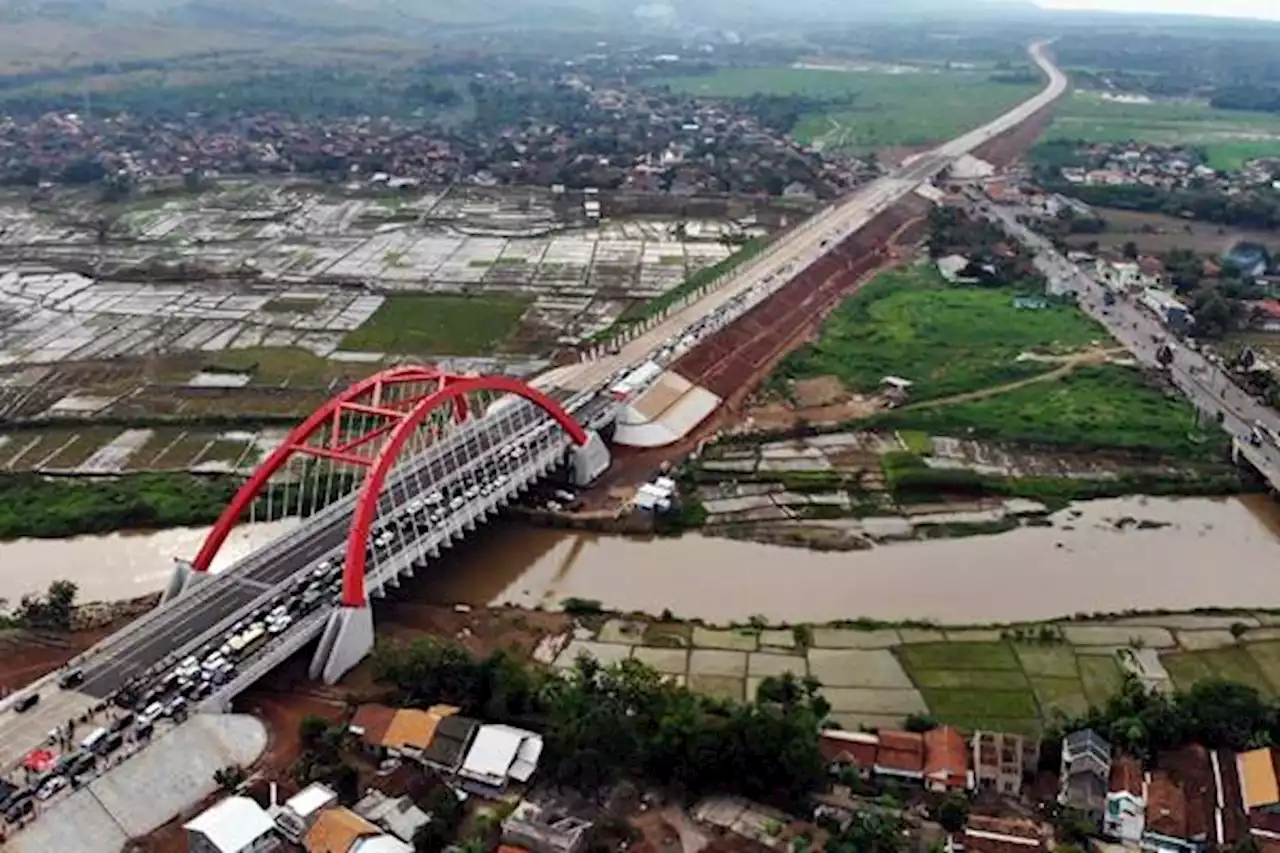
[(385, 475)]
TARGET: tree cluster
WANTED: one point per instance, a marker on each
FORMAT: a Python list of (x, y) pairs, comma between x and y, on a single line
[(1257, 208), (49, 612), (1215, 713), (323, 758), (602, 724)]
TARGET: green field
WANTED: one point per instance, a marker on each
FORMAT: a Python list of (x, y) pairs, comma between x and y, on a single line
[(906, 109), (1102, 406), (946, 339), (439, 325), (1233, 664), (1229, 136), (958, 656)]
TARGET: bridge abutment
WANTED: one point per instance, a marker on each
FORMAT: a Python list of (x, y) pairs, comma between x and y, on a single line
[(590, 460), (347, 639)]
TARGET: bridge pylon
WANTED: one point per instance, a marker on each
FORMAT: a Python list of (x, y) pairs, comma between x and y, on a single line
[(346, 640)]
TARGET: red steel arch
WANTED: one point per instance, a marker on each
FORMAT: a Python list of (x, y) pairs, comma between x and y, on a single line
[(400, 417), (353, 569)]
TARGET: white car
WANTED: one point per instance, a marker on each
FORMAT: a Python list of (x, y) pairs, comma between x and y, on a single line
[(151, 713), (51, 787), (415, 506), (434, 499)]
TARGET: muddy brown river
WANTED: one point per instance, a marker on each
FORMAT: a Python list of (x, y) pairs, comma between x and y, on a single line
[(1205, 552)]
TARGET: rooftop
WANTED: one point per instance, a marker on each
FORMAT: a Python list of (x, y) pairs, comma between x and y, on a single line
[(311, 799), (453, 735), (1257, 772), (232, 824), (336, 831), (946, 757), (903, 751)]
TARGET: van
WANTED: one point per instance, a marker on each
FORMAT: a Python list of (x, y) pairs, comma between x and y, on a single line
[(26, 703), (92, 740), (110, 743)]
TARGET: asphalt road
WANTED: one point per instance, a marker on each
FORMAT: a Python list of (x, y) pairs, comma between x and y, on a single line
[(1207, 386)]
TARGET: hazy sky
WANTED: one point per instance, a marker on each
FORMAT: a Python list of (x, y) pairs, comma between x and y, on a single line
[(1232, 8)]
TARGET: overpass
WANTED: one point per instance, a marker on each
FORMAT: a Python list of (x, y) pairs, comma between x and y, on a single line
[(408, 463)]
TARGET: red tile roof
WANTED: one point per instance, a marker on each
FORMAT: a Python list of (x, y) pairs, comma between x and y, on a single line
[(902, 751), (1126, 775), (848, 748), (946, 758)]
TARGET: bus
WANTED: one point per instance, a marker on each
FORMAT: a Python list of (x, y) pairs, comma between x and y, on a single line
[(244, 644)]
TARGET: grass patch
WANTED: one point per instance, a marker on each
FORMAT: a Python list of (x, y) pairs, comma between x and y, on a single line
[(1094, 406), (180, 453), (970, 679), (1056, 661), (1232, 664), (876, 109), (917, 442), (981, 704), (439, 325), (1267, 656), (1101, 677), (272, 365), (285, 305), (927, 656), (1060, 696), (88, 442), (1030, 727), (947, 340)]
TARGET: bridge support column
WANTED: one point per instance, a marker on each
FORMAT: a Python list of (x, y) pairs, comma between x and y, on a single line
[(590, 460), (347, 640), (181, 579)]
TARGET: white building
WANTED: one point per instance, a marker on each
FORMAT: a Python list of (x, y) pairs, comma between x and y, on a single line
[(500, 754), (235, 825), (1125, 817), (299, 812)]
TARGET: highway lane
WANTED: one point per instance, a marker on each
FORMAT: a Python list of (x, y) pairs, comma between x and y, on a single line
[(1209, 388)]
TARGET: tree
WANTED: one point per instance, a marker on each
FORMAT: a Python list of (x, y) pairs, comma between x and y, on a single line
[(953, 812), (1131, 250), (446, 812), (229, 778), (920, 723)]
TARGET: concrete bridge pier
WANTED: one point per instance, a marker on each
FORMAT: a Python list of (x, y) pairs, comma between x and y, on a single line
[(182, 579), (590, 460), (346, 640)]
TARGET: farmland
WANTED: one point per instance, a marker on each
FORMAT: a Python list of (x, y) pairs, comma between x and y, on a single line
[(1229, 136), (1021, 678), (871, 109), (439, 325)]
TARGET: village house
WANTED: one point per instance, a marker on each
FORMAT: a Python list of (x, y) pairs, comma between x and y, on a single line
[(946, 764), (900, 755), (395, 815), (1001, 761), (396, 732), (449, 746), (544, 826), (1126, 811), (1085, 772), (300, 812), (842, 749), (500, 754), (340, 830), (233, 825)]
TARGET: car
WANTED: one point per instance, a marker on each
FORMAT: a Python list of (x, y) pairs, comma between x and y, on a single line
[(20, 808), (51, 787), (433, 499), (144, 730), (121, 722), (415, 506), (280, 625), (150, 714), (26, 703), (176, 707), (111, 743), (71, 678), (81, 763), (456, 504)]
